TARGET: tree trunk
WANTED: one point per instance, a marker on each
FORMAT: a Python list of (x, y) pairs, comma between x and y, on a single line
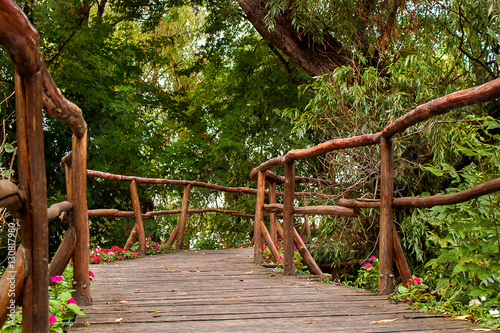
[(315, 58)]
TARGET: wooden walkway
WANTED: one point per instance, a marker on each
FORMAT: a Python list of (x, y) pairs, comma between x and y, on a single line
[(223, 291)]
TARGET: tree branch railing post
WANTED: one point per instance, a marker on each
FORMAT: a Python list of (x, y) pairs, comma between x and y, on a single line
[(386, 245), (78, 199), (288, 207), (139, 225), (183, 217), (306, 228), (273, 216), (32, 182), (259, 218)]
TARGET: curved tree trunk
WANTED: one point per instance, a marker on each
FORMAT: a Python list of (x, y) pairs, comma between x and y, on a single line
[(314, 58)]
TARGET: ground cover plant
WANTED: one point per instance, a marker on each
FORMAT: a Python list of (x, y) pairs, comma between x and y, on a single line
[(63, 308)]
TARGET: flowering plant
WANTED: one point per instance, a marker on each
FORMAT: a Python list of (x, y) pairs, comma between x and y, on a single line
[(100, 255), (368, 275), (413, 291), (300, 267), (153, 247), (62, 306)]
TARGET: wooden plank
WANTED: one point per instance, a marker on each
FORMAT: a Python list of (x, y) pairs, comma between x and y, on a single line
[(224, 291)]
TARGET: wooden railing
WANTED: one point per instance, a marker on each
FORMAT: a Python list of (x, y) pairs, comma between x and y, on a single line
[(28, 272), (179, 230), (389, 245)]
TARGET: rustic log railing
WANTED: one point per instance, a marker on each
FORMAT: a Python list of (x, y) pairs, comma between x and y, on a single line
[(28, 272), (389, 245), (178, 232)]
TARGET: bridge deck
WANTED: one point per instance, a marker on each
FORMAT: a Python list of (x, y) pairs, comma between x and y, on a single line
[(223, 291)]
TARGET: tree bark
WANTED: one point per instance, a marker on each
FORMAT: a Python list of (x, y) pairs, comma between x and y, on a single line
[(313, 57)]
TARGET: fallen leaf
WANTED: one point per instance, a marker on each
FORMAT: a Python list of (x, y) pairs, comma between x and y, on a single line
[(123, 302), (138, 290), (462, 317), (86, 324), (242, 280), (383, 321), (239, 296), (310, 322), (250, 272), (269, 286), (118, 320), (358, 291), (160, 312)]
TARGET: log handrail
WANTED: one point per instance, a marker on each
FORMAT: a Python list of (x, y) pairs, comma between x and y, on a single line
[(389, 240), (36, 91), (480, 94)]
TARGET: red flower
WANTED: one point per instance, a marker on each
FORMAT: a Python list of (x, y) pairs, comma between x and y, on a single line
[(414, 281)]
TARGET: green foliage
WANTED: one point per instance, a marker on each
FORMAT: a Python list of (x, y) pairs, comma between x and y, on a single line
[(368, 275), (300, 266), (62, 307)]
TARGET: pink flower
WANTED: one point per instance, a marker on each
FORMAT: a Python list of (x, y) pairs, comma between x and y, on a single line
[(72, 301), (56, 279), (372, 258), (367, 265), (52, 319), (91, 275)]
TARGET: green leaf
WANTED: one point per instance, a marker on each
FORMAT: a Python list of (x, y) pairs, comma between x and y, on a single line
[(64, 296), (458, 268), (435, 171), (9, 148), (75, 308)]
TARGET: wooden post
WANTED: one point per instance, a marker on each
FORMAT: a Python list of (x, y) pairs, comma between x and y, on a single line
[(273, 216), (385, 281), (14, 275), (270, 243), (306, 227), (32, 182), (64, 253), (183, 217), (399, 255), (170, 240), (131, 238), (78, 199), (306, 255), (259, 218), (288, 206), (139, 225)]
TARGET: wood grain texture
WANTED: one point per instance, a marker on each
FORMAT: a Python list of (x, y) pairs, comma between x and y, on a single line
[(386, 245), (139, 226), (224, 291), (183, 217)]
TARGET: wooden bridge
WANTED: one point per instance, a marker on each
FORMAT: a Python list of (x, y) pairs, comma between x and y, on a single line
[(237, 295), (224, 291)]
